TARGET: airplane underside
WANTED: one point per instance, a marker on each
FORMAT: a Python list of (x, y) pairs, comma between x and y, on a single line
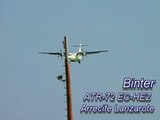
[(75, 58), (75, 61)]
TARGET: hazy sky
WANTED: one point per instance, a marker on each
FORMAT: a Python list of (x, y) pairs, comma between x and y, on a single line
[(29, 90)]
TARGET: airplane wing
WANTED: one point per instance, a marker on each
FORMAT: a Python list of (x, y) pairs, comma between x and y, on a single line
[(51, 53), (95, 52)]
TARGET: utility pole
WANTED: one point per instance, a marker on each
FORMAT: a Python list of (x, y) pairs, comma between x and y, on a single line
[(68, 82)]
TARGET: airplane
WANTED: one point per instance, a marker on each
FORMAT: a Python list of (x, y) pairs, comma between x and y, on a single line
[(77, 56)]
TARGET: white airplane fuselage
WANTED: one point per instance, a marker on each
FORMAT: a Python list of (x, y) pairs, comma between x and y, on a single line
[(74, 57)]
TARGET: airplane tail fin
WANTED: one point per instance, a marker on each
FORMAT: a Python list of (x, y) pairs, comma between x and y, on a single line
[(80, 47)]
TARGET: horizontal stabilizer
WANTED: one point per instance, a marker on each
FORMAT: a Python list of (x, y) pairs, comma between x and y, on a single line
[(80, 45)]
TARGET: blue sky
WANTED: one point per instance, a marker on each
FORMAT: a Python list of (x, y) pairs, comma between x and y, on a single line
[(29, 89)]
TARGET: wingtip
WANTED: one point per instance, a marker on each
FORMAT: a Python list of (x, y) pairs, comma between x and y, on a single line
[(105, 51), (42, 53)]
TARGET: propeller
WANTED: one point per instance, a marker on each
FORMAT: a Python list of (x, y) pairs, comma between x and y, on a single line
[(61, 56), (83, 52)]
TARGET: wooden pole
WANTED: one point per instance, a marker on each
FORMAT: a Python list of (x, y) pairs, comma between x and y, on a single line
[(68, 82)]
